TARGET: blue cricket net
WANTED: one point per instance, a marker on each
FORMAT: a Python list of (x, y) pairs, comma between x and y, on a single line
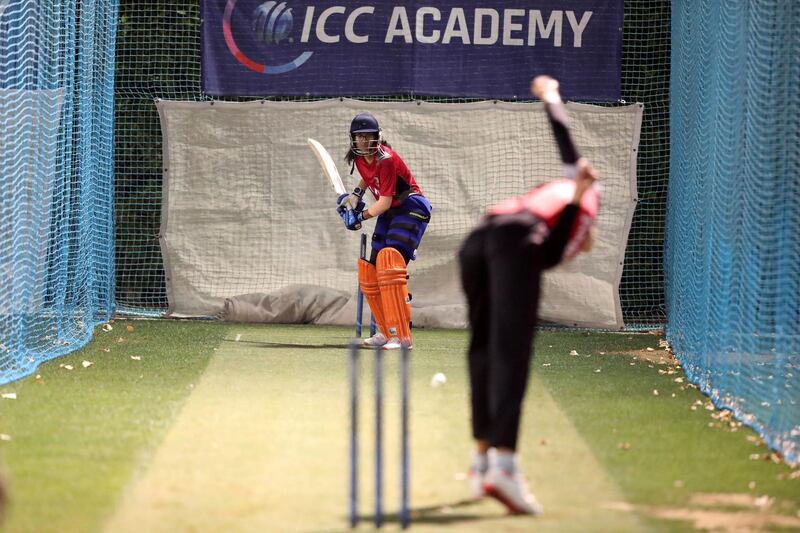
[(733, 227), (56, 175)]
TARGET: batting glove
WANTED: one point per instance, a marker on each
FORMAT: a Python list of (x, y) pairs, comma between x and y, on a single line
[(343, 206), (353, 199), (352, 219)]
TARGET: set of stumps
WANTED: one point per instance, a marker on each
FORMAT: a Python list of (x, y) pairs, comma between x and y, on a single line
[(378, 353)]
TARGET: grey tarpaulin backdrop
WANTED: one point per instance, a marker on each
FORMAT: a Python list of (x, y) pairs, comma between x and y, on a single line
[(249, 231)]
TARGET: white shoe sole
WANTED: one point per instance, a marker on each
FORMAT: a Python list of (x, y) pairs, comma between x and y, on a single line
[(512, 506), (395, 346), (371, 345)]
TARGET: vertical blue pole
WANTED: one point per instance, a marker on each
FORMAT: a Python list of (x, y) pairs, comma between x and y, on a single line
[(353, 495), (359, 295), (404, 462), (359, 311), (378, 437)]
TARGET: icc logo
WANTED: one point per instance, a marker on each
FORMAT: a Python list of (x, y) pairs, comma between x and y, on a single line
[(271, 23)]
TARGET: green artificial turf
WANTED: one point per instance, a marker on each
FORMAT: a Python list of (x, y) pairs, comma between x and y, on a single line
[(658, 448), (244, 428), (262, 446), (78, 435)]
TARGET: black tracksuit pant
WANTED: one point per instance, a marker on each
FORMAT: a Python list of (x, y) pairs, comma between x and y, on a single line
[(501, 265)]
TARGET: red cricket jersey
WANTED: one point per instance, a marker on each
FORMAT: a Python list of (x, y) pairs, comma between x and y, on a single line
[(546, 203), (387, 175)]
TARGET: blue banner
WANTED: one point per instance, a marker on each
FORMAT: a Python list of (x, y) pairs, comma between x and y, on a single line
[(465, 48)]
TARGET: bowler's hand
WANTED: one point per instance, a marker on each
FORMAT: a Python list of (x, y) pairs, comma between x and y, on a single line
[(545, 89)]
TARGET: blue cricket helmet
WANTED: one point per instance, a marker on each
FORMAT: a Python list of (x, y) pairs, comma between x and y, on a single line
[(364, 123)]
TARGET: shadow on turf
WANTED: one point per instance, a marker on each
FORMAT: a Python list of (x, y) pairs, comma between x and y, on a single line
[(434, 514), (342, 346), (259, 344)]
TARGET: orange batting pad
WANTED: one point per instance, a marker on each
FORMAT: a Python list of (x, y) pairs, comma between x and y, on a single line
[(368, 281), (392, 280)]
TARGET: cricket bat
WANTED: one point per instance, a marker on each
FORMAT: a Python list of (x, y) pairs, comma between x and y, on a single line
[(328, 166)]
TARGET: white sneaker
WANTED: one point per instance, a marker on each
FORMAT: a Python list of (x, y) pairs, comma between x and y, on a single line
[(394, 344), (376, 340), (511, 489), (476, 478)]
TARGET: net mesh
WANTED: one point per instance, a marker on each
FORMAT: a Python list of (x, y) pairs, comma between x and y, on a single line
[(733, 255), (158, 56), (733, 252), (247, 212), (56, 163)]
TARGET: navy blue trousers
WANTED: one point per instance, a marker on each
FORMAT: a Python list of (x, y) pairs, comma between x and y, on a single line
[(402, 228)]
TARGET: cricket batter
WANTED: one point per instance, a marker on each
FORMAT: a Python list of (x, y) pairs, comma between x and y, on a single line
[(502, 261), (403, 214)]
